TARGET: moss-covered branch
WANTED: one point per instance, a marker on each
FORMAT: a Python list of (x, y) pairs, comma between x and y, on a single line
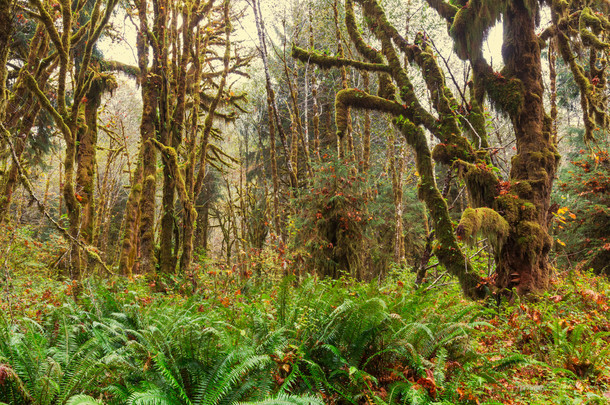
[(448, 251), (47, 20), (471, 25), (597, 23), (359, 99), (445, 10), (386, 87), (328, 62), (114, 66), (46, 104), (378, 22)]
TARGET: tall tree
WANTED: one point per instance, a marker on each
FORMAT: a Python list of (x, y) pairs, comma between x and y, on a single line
[(64, 100), (514, 214)]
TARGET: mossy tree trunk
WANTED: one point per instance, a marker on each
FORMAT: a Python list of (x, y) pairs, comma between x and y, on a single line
[(6, 30), (21, 110), (151, 80), (396, 160), (129, 243), (523, 259), (66, 115), (86, 155)]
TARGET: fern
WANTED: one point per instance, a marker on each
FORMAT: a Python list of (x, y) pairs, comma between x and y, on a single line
[(286, 399), (83, 400)]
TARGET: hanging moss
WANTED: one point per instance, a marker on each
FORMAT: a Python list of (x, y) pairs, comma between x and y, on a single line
[(504, 94), (481, 183), (101, 83), (483, 222), (472, 23), (446, 10)]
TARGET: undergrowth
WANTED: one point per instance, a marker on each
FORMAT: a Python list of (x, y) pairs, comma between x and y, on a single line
[(220, 338)]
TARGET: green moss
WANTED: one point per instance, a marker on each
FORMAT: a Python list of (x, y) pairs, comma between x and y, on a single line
[(534, 240), (504, 94), (522, 188), (129, 70), (328, 62), (508, 205), (457, 149), (472, 23), (476, 126), (485, 222), (529, 211), (481, 183)]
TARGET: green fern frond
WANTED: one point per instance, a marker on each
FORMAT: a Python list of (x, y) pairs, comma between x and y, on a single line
[(287, 399), (83, 400)]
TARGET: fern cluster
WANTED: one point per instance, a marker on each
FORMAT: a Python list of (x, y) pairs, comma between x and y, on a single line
[(317, 342)]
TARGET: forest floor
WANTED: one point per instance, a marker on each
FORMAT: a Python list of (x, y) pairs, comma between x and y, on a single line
[(218, 336)]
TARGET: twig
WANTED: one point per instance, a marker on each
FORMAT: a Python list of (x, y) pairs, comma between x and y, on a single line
[(448, 69), (480, 250), (443, 274)]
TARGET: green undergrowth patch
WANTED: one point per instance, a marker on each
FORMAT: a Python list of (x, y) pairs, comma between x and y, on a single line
[(217, 337)]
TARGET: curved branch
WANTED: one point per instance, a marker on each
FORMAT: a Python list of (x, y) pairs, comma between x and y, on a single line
[(445, 10)]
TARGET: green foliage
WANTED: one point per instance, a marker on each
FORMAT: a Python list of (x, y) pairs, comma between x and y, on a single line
[(334, 219), (318, 341), (582, 224), (345, 222)]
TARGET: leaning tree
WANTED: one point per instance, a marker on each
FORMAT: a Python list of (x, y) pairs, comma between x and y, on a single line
[(513, 213)]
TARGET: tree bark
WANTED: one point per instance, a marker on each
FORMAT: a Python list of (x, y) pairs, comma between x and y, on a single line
[(523, 261)]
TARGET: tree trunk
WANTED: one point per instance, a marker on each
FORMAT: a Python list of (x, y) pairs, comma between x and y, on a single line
[(129, 242), (11, 177), (149, 170), (86, 155), (523, 258), (6, 29)]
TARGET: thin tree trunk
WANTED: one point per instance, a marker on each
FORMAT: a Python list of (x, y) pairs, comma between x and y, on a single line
[(314, 96), (347, 147), (395, 166), (366, 140), (260, 27), (151, 82), (6, 31), (131, 223), (553, 79), (87, 148)]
